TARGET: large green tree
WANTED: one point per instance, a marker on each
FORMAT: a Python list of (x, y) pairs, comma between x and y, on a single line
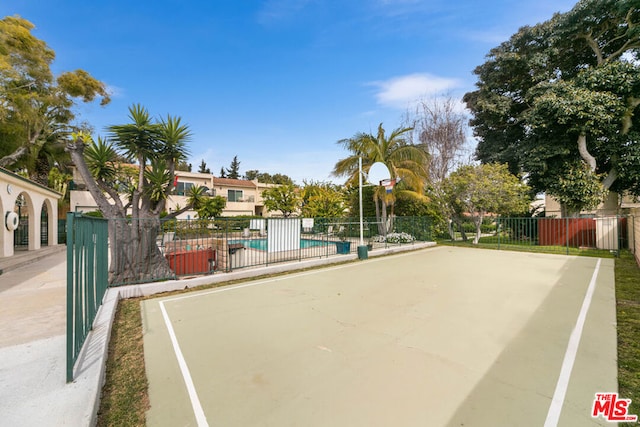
[(322, 200), (283, 198), (565, 92), (36, 108), (233, 171), (405, 161), (211, 207), (203, 167), (477, 190), (267, 178), (156, 147)]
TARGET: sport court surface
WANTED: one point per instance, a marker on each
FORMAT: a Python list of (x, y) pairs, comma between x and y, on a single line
[(437, 337)]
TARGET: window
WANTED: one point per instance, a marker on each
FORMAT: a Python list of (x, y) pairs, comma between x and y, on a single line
[(182, 189), (234, 195)]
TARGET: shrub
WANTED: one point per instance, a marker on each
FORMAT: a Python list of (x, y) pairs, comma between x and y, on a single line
[(394, 238)]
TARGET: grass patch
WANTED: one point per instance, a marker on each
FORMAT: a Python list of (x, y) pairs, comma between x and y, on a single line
[(124, 399), (526, 246), (628, 315)]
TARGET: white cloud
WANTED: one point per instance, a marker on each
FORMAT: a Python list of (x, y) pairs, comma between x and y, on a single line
[(400, 92)]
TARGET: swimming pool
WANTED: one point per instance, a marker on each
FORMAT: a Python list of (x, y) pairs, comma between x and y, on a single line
[(261, 244)]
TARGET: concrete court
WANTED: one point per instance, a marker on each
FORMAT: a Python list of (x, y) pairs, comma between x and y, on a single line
[(439, 337)]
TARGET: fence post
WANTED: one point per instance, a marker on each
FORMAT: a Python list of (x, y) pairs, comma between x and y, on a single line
[(70, 228), (566, 232)]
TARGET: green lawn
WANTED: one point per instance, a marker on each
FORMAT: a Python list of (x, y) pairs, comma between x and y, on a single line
[(493, 242), (628, 316)]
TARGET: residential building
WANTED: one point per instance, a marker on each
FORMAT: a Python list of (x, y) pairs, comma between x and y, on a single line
[(29, 214), (243, 197), (614, 204)]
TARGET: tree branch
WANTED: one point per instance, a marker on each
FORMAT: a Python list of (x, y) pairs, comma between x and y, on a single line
[(13, 157), (584, 153), (627, 119), (76, 149), (178, 212), (610, 179), (593, 44)]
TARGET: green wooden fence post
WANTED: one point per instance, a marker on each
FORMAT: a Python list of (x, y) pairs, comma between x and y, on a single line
[(70, 227)]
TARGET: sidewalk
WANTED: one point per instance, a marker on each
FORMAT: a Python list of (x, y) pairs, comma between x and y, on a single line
[(22, 258), (33, 391)]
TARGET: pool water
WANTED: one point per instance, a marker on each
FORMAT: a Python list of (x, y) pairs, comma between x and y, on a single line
[(261, 244)]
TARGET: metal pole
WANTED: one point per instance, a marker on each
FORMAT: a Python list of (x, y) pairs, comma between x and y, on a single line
[(360, 199)]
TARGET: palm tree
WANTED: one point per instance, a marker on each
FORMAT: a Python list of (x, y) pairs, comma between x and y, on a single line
[(196, 197), (156, 147), (174, 137), (404, 160), (138, 140)]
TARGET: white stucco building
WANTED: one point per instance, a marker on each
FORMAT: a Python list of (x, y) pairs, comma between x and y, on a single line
[(29, 214)]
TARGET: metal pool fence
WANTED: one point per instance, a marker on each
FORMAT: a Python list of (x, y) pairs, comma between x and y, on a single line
[(226, 244), (570, 236)]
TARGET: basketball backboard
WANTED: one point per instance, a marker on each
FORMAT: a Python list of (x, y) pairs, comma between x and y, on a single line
[(378, 172)]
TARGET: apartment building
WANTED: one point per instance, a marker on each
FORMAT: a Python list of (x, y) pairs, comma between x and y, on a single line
[(243, 197), (613, 205)]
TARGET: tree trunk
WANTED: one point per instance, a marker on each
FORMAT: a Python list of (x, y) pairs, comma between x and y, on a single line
[(611, 177), (478, 223), (377, 202), (463, 234), (135, 256), (383, 216), (584, 152), (452, 233)]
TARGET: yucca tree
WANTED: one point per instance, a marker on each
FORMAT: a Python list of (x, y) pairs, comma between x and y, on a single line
[(156, 147), (404, 160), (196, 196), (139, 141)]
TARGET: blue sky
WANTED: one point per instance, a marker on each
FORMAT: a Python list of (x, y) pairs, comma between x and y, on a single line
[(275, 82)]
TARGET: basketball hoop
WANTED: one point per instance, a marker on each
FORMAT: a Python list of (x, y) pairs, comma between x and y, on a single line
[(378, 172), (388, 184)]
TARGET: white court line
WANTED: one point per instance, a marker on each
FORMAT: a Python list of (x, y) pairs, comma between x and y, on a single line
[(553, 416), (201, 419)]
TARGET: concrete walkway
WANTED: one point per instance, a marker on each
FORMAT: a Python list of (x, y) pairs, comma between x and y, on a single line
[(33, 391)]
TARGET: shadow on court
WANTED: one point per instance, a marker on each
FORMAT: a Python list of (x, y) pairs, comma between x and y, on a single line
[(518, 388), (448, 336)]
